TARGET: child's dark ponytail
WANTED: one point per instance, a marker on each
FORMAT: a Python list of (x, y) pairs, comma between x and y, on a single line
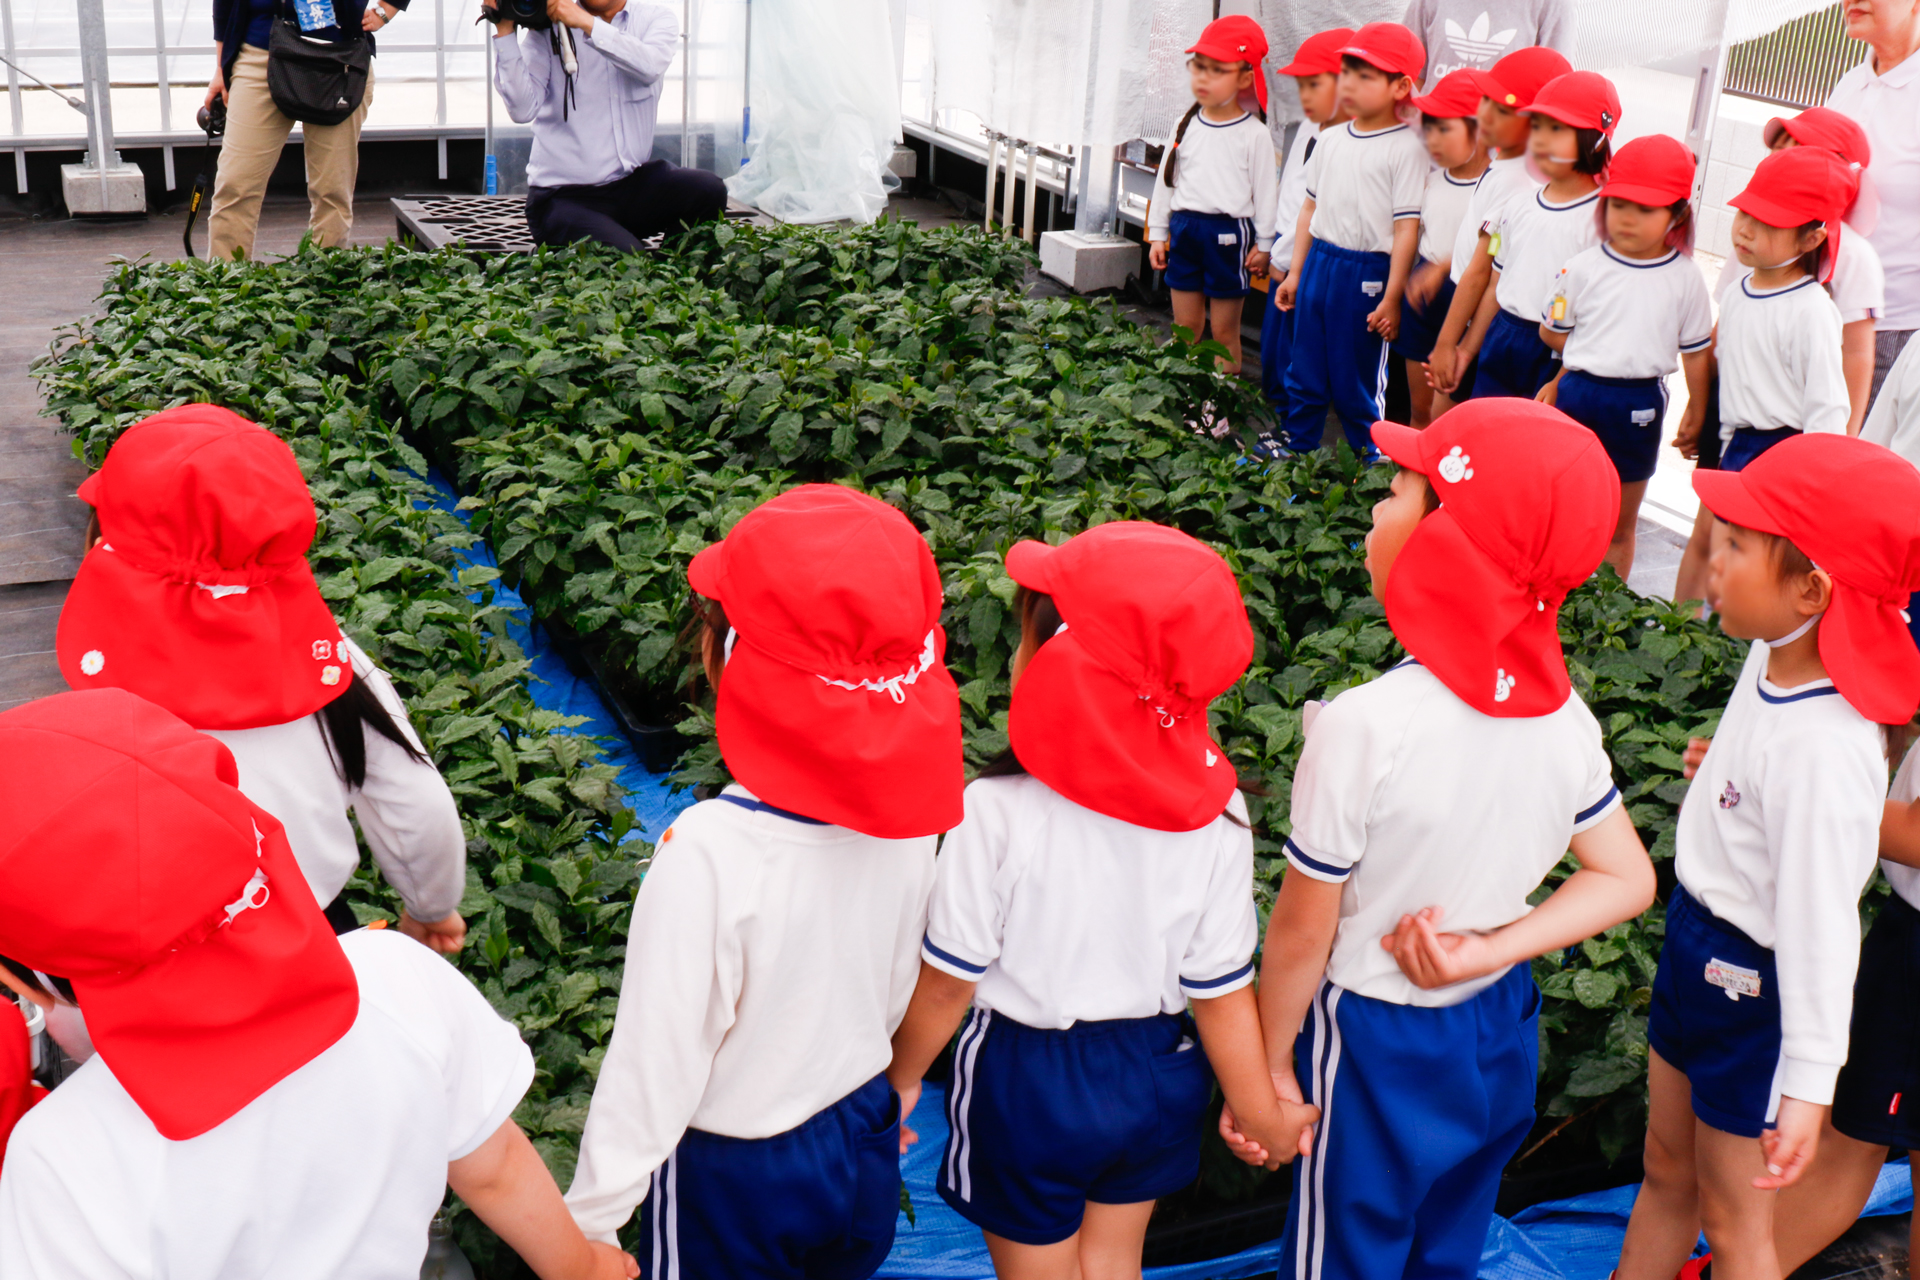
[(1173, 152), (346, 720)]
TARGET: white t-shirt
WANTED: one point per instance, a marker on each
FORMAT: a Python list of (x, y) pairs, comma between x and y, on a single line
[(1414, 799), (1894, 420), (1629, 319), (1888, 108), (1777, 837), (1223, 168), (1442, 210), (1858, 285), (1293, 194), (405, 808), (335, 1171), (1064, 915), (768, 963), (1363, 183), (1779, 354), (1504, 182), (1905, 880), (1537, 238)]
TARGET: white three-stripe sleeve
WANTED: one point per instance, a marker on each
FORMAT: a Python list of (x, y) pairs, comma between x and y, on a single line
[(966, 917), (678, 996), (1219, 956)]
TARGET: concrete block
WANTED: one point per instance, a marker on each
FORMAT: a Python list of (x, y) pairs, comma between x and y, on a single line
[(905, 163), (122, 189), (1085, 262)]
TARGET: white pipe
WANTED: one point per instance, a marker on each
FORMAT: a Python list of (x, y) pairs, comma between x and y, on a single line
[(1006, 213), (993, 161), (1033, 237)]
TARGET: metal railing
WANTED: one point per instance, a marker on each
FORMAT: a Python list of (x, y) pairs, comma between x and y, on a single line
[(1797, 65)]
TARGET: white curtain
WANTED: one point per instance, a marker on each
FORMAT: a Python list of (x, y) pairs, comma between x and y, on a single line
[(825, 110)]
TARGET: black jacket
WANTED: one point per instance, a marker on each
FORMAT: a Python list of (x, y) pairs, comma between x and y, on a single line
[(232, 17)]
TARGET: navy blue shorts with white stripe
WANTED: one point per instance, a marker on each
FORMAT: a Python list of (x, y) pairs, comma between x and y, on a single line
[(1420, 1110), (1207, 253), (1337, 362), (817, 1202), (1716, 1017), (1042, 1121)]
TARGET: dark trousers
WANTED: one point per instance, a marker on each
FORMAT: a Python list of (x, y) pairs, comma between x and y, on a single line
[(653, 199)]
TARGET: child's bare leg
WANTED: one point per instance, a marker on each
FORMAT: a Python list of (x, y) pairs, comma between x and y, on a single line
[(1737, 1218), (1692, 581), (1666, 1214), (1440, 403), (1421, 396), (1620, 550), (1816, 1210), (1012, 1261), (1190, 312), (1225, 314), (1112, 1237)]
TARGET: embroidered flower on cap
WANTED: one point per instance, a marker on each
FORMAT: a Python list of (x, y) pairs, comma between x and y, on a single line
[(92, 661), (1456, 466), (1503, 684), (329, 675), (340, 650), (1212, 759), (322, 650)]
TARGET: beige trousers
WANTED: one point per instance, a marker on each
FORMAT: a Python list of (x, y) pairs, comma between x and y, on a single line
[(256, 132)]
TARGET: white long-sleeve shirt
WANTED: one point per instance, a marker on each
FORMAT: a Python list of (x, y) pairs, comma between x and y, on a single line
[(768, 963), (405, 808), (607, 131), (1779, 353), (1778, 835), (1224, 168)]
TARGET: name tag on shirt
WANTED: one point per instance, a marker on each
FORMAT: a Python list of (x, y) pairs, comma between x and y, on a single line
[(1373, 288), (1733, 979), (1560, 313)]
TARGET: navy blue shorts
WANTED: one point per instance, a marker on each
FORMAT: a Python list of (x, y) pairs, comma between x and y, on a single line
[(1716, 1017), (1420, 1110), (1513, 359), (1420, 326), (1749, 443), (1877, 1098), (1040, 1122), (817, 1202), (1626, 413), (1207, 253)]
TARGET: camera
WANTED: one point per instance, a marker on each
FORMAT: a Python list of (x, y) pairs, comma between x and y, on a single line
[(531, 14), (212, 118)]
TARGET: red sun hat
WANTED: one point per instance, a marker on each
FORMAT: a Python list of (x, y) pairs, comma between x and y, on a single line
[(1528, 501), (1827, 129), (1579, 100), (132, 865), (1237, 38), (1457, 96), (1800, 185), (1854, 509), (1655, 171), (836, 702), (1515, 79), (1112, 711), (1389, 46), (199, 596), (1319, 53)]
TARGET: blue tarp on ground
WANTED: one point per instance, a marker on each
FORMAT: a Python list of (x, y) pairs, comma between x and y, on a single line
[(1577, 1239), (555, 688)]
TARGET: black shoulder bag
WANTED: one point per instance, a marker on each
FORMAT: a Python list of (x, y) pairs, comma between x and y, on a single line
[(315, 81)]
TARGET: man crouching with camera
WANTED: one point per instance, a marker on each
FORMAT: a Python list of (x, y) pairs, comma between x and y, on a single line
[(592, 99)]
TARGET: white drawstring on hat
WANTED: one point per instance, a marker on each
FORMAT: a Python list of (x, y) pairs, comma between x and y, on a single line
[(1796, 633), (892, 685), (247, 901)]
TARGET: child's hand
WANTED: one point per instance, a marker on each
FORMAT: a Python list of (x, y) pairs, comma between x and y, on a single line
[(1441, 375), (1288, 289), (1432, 959), (1695, 753), (1425, 283), (909, 1099), (610, 1263), (1687, 437), (1549, 394), (1157, 255), (1287, 1089), (1790, 1145), (1385, 320), (1258, 261)]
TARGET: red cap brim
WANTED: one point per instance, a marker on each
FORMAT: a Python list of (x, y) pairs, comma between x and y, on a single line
[(199, 1034), (1726, 495), (1491, 88), (1401, 443), (1769, 212), (242, 660), (1640, 193)]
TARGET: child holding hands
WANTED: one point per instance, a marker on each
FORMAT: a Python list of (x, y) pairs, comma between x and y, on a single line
[(1101, 880), (1217, 189), (1438, 797), (1777, 837)]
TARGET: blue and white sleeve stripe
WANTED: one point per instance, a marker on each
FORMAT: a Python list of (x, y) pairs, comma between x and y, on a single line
[(1701, 345), (1208, 988), (1317, 867), (1599, 809), (1399, 214), (949, 963)]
